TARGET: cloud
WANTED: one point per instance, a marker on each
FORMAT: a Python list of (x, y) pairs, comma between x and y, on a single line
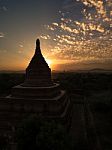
[(87, 37), (20, 52), (3, 51), (21, 46), (3, 8), (69, 4), (2, 35), (45, 37)]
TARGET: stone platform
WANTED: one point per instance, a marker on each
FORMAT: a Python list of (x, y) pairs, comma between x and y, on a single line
[(20, 91), (52, 107)]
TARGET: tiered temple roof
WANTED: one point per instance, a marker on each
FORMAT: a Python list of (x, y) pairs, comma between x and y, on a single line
[(38, 72)]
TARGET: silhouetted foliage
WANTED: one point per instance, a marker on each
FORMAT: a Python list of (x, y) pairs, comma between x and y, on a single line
[(71, 82), (4, 142), (8, 80), (87, 82), (40, 134)]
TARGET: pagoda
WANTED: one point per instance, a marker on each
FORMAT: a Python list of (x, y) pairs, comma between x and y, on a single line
[(39, 93)]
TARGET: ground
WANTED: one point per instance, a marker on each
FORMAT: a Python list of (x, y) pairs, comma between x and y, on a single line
[(91, 98)]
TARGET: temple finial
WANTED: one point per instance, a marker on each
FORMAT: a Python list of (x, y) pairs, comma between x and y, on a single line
[(37, 43)]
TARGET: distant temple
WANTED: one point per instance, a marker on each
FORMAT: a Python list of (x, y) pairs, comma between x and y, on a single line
[(38, 94)]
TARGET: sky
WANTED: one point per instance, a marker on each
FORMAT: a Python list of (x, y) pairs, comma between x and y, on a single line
[(74, 34)]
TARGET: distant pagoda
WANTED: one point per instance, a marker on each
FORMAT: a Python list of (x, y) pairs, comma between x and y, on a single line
[(39, 93)]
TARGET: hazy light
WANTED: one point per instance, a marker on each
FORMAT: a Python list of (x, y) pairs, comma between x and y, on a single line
[(49, 62)]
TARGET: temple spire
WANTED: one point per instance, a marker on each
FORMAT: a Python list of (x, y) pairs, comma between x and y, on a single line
[(38, 43), (38, 50)]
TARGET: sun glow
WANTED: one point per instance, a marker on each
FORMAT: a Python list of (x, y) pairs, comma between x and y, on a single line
[(49, 62)]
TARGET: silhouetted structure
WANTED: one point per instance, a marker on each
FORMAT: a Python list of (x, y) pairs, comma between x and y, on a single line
[(38, 73), (38, 89), (38, 94)]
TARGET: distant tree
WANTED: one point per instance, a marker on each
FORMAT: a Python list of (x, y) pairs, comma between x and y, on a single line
[(4, 142), (39, 134), (26, 134), (8, 80)]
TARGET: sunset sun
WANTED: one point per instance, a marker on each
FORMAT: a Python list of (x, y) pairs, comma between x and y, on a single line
[(49, 62)]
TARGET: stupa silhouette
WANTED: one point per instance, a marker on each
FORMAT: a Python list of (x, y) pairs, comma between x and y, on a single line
[(39, 93)]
